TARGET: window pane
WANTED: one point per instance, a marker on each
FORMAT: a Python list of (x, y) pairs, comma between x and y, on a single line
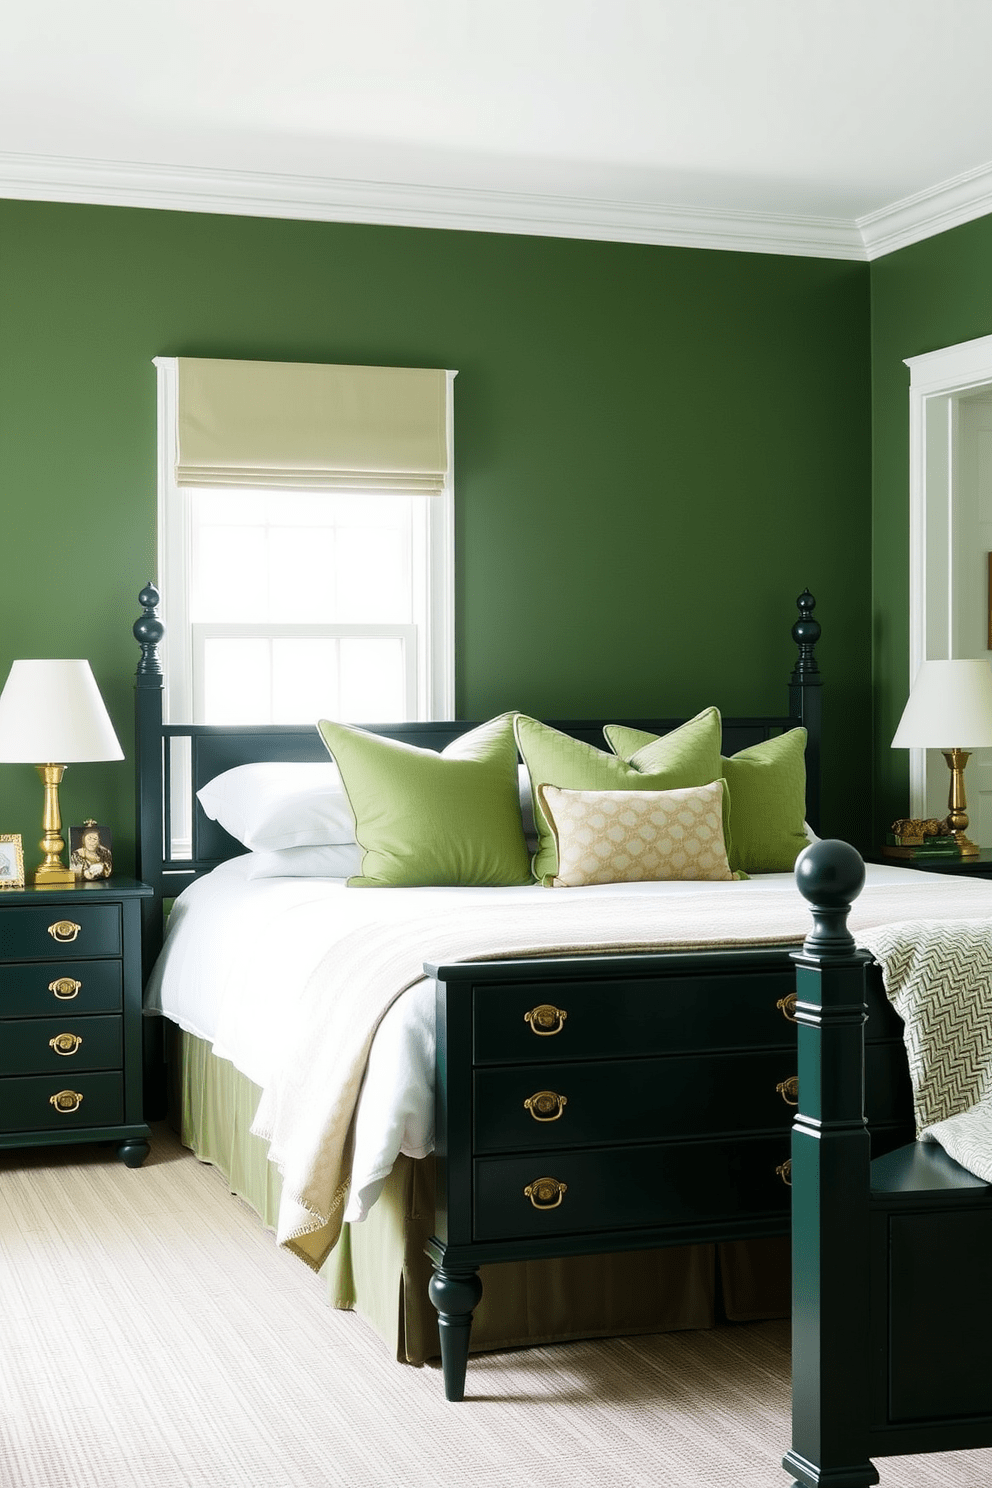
[(286, 556), (305, 680), (232, 507), (229, 574), (373, 576), (372, 681), (301, 563), (236, 682)]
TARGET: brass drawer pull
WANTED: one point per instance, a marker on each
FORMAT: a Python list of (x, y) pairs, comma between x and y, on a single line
[(65, 1043), (65, 988), (545, 1193), (66, 1101), (789, 1090), (546, 1105), (784, 1171), (545, 1019), (64, 930), (787, 1007)]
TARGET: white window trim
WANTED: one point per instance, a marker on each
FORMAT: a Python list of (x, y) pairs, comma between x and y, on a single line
[(436, 658), (937, 380)]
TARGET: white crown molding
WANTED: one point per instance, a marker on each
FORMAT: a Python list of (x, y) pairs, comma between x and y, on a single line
[(320, 199), (247, 193), (946, 205)]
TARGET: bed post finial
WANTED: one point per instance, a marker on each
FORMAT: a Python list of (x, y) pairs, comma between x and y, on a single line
[(830, 875), (805, 632), (148, 630)]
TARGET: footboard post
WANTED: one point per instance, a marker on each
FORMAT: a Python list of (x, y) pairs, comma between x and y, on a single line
[(830, 1186)]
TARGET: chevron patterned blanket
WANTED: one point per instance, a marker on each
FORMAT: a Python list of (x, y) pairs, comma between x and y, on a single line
[(938, 976)]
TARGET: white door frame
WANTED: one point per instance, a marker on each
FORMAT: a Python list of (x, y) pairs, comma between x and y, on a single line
[(938, 380)]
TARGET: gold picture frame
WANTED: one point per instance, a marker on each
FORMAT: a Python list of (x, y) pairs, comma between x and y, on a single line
[(11, 861)]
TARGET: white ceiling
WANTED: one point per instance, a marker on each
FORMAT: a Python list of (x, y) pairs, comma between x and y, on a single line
[(838, 127)]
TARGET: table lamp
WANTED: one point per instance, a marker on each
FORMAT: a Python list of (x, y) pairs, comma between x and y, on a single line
[(52, 710), (950, 709)]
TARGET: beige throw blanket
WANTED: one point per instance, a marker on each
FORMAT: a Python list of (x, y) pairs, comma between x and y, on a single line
[(938, 976), (305, 1112)]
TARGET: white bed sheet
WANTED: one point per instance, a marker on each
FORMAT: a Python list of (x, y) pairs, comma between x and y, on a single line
[(240, 951)]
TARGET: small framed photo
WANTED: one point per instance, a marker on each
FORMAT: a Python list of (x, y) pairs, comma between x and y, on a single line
[(90, 854), (11, 861)]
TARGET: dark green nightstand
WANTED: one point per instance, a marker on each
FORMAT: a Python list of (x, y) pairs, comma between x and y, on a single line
[(980, 867), (70, 1017)]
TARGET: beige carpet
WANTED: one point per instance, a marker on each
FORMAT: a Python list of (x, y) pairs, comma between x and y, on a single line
[(151, 1336)]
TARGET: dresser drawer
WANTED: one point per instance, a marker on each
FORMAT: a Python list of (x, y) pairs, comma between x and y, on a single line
[(49, 987), (610, 1101), (36, 1046), (81, 1100), (28, 934), (621, 1188), (518, 1022)]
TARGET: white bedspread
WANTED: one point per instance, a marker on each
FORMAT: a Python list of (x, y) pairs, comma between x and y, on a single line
[(240, 954)]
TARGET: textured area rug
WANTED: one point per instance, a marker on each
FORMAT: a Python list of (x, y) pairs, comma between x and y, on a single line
[(153, 1336)]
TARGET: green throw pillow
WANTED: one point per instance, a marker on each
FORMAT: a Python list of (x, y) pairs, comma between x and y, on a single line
[(424, 818), (767, 786), (688, 756)]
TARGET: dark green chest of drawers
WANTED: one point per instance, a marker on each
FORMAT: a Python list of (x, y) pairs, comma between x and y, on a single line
[(651, 1105), (70, 1017)]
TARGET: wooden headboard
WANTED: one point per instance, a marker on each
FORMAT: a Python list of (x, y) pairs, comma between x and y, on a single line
[(205, 750)]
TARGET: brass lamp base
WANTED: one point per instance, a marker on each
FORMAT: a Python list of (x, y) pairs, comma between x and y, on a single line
[(52, 873), (957, 816)]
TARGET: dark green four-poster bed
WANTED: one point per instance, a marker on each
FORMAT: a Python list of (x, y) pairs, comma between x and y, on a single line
[(613, 1126)]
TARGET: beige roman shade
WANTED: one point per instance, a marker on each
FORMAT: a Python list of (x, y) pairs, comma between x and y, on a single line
[(311, 424)]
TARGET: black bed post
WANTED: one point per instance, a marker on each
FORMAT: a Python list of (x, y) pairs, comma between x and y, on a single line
[(148, 630), (806, 699), (830, 1186)]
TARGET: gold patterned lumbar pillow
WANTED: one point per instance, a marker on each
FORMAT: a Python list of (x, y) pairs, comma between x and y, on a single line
[(621, 836)]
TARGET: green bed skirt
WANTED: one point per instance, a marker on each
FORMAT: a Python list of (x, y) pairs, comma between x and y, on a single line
[(379, 1268)]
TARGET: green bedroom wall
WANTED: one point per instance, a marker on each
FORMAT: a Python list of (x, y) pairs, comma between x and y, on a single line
[(929, 295), (656, 450)]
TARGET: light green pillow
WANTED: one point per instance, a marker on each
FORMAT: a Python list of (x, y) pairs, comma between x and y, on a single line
[(767, 786), (688, 756), (424, 818)]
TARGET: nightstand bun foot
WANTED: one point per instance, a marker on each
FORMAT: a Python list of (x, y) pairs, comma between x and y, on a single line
[(133, 1152)]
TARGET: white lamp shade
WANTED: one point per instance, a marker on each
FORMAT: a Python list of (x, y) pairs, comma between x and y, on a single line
[(51, 713), (949, 707)]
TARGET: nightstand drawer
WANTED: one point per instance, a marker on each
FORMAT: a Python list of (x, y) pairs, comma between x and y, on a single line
[(38, 1046), (519, 1022), (610, 1101), (28, 934), (625, 1188), (47, 988), (61, 1102)]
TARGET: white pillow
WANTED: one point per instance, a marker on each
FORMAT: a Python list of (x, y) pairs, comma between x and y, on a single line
[(273, 805), (338, 860)]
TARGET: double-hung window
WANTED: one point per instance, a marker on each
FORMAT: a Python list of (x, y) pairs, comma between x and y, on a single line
[(306, 540)]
